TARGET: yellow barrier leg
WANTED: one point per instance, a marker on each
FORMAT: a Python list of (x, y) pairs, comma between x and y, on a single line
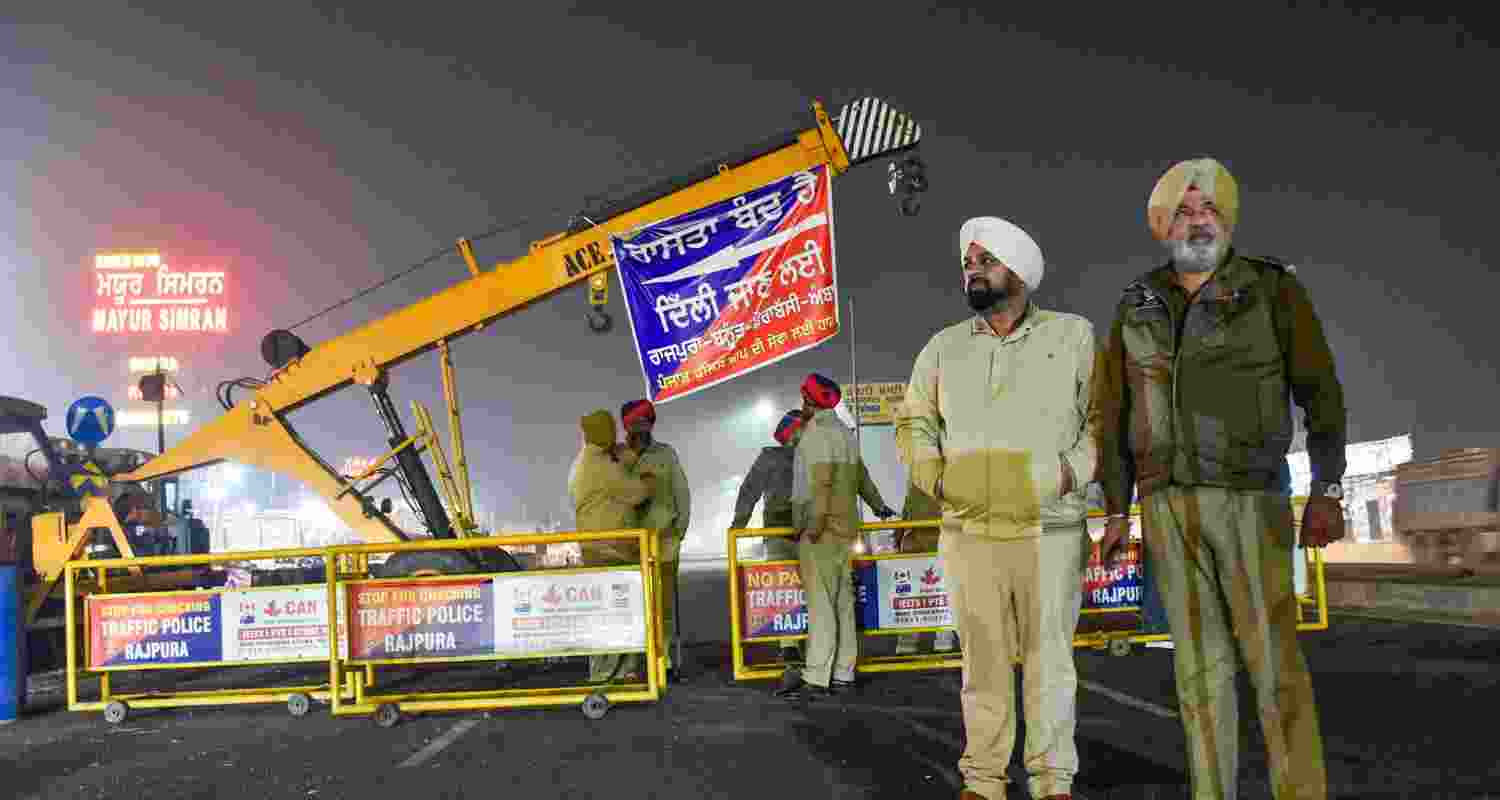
[(331, 580), (103, 676), (69, 634)]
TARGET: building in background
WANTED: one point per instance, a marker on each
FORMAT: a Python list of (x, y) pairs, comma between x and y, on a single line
[(1369, 485)]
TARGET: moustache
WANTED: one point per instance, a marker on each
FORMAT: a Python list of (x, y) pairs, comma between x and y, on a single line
[(982, 296)]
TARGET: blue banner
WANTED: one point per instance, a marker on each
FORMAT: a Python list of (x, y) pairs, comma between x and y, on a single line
[(733, 287)]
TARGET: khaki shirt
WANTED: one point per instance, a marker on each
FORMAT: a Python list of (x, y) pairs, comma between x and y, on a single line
[(991, 420), (828, 480), (604, 494), (671, 505)]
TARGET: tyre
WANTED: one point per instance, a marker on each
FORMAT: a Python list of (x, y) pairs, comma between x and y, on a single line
[(298, 704), (595, 706), (116, 712), (387, 715), (1119, 647), (416, 564)]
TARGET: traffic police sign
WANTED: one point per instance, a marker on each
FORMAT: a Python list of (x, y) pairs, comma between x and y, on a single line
[(90, 420)]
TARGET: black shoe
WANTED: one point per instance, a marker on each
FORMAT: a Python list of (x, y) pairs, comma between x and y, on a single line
[(791, 684)]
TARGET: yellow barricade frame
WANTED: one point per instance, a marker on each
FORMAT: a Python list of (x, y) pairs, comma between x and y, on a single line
[(349, 679), (594, 698), (1118, 642), (117, 704)]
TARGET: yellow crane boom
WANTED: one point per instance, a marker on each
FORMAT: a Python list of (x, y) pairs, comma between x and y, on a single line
[(255, 430)]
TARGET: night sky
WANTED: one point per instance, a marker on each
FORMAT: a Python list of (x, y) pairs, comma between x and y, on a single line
[(313, 153)]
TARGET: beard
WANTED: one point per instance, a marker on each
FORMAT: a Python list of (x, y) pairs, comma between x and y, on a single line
[(1199, 252), (983, 297)]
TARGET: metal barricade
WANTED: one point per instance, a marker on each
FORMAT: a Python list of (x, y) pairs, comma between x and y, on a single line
[(412, 617), (186, 629), (776, 590), (778, 593), (409, 617)]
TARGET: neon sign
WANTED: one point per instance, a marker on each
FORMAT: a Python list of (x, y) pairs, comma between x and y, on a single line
[(139, 292)]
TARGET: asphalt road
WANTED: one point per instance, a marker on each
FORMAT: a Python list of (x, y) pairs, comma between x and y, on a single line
[(1405, 711)]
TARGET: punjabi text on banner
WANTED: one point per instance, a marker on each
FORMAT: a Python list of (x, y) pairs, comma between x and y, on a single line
[(725, 290)]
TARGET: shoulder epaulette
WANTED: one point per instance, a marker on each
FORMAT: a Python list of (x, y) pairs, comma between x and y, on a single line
[(1139, 294), (1274, 263)]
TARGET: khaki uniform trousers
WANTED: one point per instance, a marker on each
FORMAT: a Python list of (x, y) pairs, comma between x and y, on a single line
[(1223, 564), (666, 584), (782, 548), (603, 554), (921, 540), (832, 641), (1017, 600)]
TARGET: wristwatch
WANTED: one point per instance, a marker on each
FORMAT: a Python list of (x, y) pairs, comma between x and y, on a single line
[(1332, 490)]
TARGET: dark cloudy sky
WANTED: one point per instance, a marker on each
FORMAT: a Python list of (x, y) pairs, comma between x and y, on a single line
[(316, 151)]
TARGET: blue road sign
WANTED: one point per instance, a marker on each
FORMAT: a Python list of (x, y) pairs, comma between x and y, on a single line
[(90, 420)]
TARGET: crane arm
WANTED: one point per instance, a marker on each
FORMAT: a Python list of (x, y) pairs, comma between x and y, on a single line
[(256, 432)]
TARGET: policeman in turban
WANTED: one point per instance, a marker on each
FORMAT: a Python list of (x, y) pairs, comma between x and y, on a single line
[(1194, 401), (997, 414), (828, 481), (605, 495), (667, 512), (770, 477)]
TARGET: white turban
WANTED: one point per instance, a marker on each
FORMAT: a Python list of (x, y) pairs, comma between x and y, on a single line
[(1006, 242)]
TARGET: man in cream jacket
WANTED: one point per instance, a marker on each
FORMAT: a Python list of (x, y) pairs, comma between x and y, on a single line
[(997, 412)]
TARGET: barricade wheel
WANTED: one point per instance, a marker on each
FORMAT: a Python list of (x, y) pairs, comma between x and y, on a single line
[(298, 704), (387, 715), (1119, 647), (595, 706), (116, 712)]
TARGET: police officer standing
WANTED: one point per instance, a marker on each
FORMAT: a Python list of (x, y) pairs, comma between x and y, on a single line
[(828, 481), (668, 510), (770, 477), (1193, 396)]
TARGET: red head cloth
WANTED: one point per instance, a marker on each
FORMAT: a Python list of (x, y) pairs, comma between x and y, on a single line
[(822, 392), (637, 411), (788, 427)]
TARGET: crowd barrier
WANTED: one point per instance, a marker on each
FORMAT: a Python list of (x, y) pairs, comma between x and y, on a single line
[(381, 622), (191, 629), (552, 613), (904, 593)]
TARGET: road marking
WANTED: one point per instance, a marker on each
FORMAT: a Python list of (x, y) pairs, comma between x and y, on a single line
[(436, 745), (1125, 699)]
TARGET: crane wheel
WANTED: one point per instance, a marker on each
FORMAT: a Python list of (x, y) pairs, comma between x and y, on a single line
[(116, 712), (298, 704), (387, 715), (414, 564), (595, 706), (418, 564)]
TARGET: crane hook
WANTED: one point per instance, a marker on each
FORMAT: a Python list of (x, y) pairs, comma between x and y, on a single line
[(907, 179)]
